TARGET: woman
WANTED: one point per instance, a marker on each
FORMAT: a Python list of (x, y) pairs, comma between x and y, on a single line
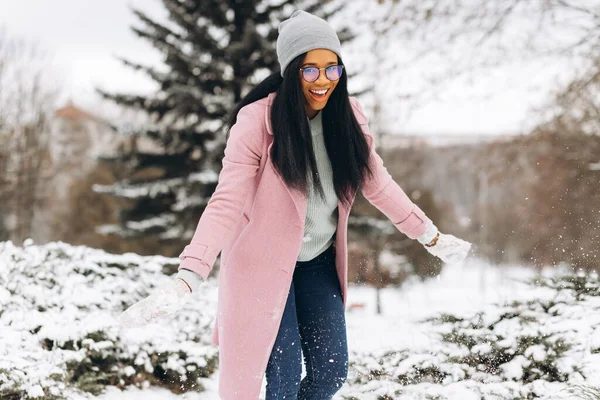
[(299, 150)]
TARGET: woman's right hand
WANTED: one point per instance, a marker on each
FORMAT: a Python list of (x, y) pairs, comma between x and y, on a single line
[(165, 301), (449, 248)]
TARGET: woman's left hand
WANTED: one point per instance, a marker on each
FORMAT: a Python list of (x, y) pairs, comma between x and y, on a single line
[(162, 302), (449, 248)]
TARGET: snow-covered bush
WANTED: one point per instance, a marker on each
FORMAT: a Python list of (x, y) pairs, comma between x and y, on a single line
[(518, 350), (58, 319), (59, 335)]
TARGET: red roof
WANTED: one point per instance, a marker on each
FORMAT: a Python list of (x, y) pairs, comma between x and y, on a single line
[(72, 112)]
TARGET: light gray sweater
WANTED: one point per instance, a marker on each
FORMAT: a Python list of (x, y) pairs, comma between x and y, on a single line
[(321, 214)]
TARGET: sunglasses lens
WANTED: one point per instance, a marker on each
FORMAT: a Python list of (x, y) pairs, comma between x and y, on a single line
[(333, 73), (310, 74)]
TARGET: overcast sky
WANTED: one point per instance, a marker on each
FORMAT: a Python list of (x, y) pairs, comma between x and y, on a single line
[(85, 36)]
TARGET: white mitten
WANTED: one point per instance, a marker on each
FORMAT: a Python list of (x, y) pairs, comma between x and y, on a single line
[(166, 300), (449, 248)]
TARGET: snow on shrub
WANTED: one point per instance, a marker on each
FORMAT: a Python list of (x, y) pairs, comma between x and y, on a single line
[(59, 306), (59, 335), (522, 349)]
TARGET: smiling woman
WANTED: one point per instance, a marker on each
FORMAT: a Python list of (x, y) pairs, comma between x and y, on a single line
[(299, 149), (317, 86)]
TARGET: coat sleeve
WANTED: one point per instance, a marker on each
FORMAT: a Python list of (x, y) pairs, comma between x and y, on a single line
[(385, 194), (224, 209)]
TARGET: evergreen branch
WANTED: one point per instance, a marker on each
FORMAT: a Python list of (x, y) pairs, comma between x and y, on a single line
[(265, 16), (196, 30), (150, 71), (328, 14), (315, 8), (159, 29), (129, 100)]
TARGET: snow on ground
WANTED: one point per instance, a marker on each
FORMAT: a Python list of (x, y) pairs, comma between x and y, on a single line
[(466, 287), (397, 342)]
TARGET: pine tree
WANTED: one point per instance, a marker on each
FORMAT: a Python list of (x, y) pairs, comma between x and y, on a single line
[(214, 52)]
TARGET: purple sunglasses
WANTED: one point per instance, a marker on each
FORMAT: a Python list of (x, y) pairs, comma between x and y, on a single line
[(311, 74)]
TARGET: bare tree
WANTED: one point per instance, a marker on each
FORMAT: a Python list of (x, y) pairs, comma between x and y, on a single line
[(575, 108), (519, 29), (458, 38), (26, 100)]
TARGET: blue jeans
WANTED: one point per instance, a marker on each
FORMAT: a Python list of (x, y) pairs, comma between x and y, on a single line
[(314, 324)]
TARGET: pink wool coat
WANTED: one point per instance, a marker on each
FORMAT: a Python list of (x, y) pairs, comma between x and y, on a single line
[(257, 224)]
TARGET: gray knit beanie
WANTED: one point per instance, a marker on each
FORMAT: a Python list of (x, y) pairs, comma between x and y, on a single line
[(303, 32)]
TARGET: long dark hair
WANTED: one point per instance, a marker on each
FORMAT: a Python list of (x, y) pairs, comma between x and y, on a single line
[(292, 153)]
